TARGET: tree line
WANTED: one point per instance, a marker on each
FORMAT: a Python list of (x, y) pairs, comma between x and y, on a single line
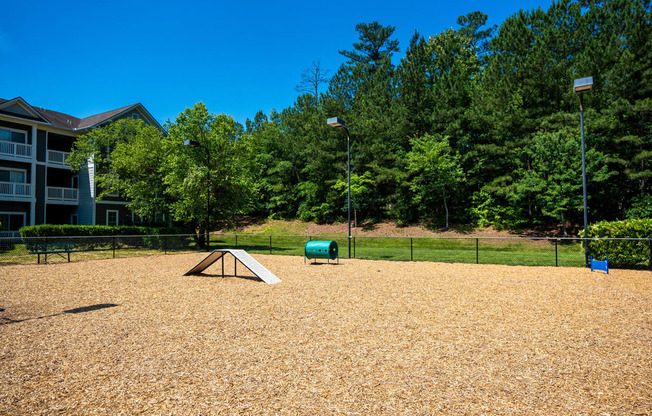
[(475, 124)]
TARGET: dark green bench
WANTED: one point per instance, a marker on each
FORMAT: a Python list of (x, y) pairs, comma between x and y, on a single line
[(60, 248)]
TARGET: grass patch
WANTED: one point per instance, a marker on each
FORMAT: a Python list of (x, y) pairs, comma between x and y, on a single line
[(449, 250)]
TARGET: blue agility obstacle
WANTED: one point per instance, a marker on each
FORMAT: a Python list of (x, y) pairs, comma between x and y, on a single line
[(321, 250), (600, 265)]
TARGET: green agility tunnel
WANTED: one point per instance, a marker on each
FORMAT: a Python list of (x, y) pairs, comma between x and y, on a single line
[(321, 250)]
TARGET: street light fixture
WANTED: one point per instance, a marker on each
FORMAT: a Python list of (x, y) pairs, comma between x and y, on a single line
[(338, 122), (579, 87), (194, 143)]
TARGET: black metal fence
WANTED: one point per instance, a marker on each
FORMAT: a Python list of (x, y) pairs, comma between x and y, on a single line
[(528, 251)]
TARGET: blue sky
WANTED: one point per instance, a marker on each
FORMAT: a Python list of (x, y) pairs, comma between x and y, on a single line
[(85, 57)]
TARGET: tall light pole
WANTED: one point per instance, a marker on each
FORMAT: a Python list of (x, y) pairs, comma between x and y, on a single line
[(580, 86), (338, 122), (194, 143)]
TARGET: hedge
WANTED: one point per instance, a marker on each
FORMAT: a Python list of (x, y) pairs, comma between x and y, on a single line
[(149, 237), (622, 253)]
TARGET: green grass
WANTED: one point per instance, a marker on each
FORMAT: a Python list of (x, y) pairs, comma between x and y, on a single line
[(452, 250), (495, 251)]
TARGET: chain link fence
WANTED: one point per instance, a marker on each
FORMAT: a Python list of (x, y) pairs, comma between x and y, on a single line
[(525, 251)]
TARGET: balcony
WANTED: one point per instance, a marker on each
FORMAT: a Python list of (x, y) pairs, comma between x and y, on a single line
[(57, 157), (18, 150), (12, 190), (67, 196)]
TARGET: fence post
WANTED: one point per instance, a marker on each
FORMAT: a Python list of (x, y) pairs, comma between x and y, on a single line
[(411, 250), (114, 238), (165, 244), (353, 247), (556, 255), (477, 251)]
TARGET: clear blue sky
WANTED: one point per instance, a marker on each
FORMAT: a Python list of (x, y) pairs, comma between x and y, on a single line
[(238, 57)]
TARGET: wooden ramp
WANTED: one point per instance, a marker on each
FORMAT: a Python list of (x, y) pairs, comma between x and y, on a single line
[(240, 255)]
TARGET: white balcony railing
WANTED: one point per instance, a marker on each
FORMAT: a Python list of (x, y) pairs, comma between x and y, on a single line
[(57, 157), (15, 190), (69, 195), (15, 149)]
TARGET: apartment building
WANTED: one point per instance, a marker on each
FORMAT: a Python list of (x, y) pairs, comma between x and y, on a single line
[(36, 184)]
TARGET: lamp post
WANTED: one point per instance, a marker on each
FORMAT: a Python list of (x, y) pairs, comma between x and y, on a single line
[(194, 143), (579, 87), (338, 122)]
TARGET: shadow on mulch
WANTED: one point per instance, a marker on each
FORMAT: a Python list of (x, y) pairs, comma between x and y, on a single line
[(7, 321)]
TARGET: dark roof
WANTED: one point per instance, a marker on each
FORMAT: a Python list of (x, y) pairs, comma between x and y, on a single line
[(69, 122), (58, 119), (101, 118)]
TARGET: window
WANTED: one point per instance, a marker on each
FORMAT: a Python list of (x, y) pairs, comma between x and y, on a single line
[(136, 219), (13, 175), (13, 136), (112, 217), (10, 223), (135, 116)]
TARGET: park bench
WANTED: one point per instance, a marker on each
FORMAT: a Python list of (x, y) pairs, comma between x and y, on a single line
[(60, 248)]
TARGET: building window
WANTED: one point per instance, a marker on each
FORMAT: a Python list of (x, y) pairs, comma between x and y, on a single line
[(13, 175), (10, 223), (135, 116), (136, 219), (112, 217), (13, 136)]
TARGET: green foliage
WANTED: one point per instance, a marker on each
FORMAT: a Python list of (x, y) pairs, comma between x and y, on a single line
[(157, 174), (482, 120), (622, 253), (66, 230), (89, 237), (436, 173), (214, 179), (362, 189), (549, 174), (127, 157), (641, 208), (502, 99)]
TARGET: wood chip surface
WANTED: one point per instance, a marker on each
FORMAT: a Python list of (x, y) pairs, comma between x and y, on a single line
[(133, 336)]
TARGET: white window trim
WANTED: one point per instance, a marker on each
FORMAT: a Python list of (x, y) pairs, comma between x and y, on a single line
[(117, 216), (17, 131)]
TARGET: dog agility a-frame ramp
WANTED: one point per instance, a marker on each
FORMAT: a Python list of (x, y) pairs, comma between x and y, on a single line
[(240, 255)]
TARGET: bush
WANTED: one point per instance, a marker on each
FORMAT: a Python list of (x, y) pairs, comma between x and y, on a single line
[(621, 253), (641, 207), (98, 231)]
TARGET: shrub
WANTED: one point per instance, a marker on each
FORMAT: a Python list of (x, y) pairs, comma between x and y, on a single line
[(641, 207), (621, 253), (98, 231)]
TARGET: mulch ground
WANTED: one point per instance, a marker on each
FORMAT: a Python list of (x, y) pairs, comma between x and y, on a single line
[(133, 336)]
